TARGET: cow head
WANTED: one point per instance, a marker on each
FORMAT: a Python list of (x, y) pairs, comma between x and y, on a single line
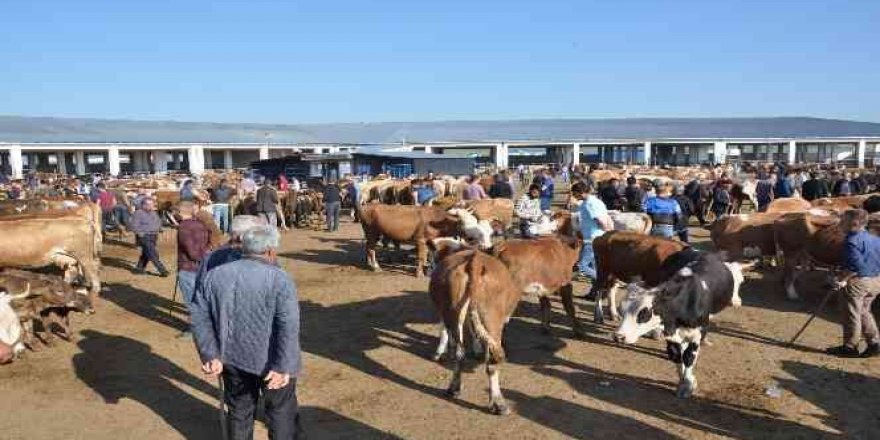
[(638, 313), (474, 230), (10, 325)]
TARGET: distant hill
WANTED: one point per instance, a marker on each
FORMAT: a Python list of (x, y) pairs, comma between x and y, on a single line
[(49, 129)]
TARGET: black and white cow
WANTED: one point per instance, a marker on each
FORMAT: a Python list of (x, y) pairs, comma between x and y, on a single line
[(681, 307)]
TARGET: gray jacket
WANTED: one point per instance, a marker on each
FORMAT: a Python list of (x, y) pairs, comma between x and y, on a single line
[(246, 314), (143, 222)]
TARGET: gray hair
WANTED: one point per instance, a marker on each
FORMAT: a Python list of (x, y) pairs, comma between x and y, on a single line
[(259, 240), (242, 223)]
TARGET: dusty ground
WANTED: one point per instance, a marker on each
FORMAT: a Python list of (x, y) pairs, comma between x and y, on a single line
[(366, 338)]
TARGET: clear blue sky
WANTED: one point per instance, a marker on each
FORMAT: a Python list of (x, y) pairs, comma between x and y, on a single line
[(349, 61)]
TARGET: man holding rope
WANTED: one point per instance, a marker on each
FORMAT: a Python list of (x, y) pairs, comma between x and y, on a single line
[(862, 281), (245, 320)]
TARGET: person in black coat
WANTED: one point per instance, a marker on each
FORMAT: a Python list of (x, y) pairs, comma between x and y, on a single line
[(814, 188), (501, 189), (635, 195), (687, 210)]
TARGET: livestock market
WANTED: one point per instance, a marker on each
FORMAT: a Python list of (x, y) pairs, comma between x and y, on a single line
[(381, 291)]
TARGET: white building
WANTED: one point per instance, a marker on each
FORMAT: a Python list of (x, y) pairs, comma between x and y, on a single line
[(80, 146)]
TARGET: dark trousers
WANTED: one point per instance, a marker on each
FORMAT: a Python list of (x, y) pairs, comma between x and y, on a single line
[(682, 234), (147, 243), (332, 209), (242, 393)]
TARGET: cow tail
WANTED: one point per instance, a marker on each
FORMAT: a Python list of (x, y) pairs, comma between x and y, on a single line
[(494, 350)]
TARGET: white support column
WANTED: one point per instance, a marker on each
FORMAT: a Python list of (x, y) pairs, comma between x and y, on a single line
[(61, 162), (501, 156), (160, 161), (647, 151), (196, 158), (80, 157), (860, 153), (429, 149), (113, 165), (720, 152), (792, 152), (227, 159), (15, 162), (575, 154), (264, 152)]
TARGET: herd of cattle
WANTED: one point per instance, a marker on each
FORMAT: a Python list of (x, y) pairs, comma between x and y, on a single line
[(478, 274), (673, 289)]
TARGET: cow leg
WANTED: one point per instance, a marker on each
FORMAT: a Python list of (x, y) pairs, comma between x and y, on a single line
[(422, 255), (598, 316), (545, 313), (567, 295), (46, 321), (28, 337), (612, 302), (683, 351), (497, 404), (789, 278), (443, 344), (370, 245), (458, 352)]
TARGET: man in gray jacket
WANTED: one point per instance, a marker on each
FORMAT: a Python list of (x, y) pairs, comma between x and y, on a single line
[(245, 319), (146, 225)]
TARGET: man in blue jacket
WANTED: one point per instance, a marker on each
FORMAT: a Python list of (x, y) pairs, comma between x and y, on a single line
[(862, 261), (245, 319)]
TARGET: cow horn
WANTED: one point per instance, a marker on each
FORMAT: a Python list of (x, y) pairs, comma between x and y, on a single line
[(27, 293)]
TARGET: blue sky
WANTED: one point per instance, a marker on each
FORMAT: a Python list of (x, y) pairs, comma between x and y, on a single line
[(352, 61)]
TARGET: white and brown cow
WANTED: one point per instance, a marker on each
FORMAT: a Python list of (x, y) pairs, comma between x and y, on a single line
[(475, 291), (683, 305)]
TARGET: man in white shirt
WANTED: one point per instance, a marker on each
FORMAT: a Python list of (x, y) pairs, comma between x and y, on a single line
[(594, 221)]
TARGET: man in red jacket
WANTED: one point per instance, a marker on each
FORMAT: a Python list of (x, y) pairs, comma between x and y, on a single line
[(193, 243)]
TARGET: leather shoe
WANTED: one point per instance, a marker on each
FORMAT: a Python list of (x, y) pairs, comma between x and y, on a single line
[(871, 351), (843, 351)]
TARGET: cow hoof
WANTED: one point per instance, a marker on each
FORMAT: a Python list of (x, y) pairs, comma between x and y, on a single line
[(685, 391), (500, 409), (599, 320), (579, 332), (453, 392), (437, 357), (545, 330)]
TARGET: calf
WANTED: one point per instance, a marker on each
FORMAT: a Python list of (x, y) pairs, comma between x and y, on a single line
[(472, 289), (623, 256), (542, 267), (45, 298), (745, 235), (683, 305)]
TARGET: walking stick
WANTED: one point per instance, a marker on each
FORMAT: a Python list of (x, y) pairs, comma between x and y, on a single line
[(221, 406), (813, 316)]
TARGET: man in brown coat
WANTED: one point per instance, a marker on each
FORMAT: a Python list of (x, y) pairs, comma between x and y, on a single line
[(193, 243)]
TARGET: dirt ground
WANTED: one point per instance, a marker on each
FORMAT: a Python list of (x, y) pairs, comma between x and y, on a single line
[(367, 338)]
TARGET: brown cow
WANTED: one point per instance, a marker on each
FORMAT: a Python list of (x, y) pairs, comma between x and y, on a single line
[(623, 256), (500, 210), (788, 204), (745, 235), (405, 223), (473, 290), (840, 203), (542, 267), (65, 240), (805, 240)]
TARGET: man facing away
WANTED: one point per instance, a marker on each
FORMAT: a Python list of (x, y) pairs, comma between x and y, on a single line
[(862, 262), (245, 319), (332, 205), (221, 197), (193, 243)]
